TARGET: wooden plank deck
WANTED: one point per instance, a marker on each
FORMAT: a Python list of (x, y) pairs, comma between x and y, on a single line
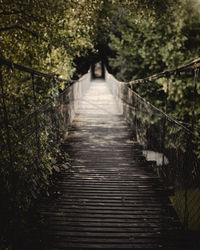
[(110, 198)]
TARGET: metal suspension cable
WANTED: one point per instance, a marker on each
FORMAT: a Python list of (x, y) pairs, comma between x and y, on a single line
[(13, 66), (168, 117), (195, 64)]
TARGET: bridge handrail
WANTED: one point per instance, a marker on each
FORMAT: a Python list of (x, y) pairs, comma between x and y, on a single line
[(12, 66), (20, 67), (31, 136), (168, 117), (44, 106), (172, 148), (193, 65)]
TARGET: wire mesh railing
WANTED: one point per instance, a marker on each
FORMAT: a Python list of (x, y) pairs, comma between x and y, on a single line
[(34, 118), (172, 148)]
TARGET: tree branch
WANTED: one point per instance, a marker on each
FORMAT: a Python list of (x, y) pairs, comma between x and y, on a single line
[(7, 28), (7, 13)]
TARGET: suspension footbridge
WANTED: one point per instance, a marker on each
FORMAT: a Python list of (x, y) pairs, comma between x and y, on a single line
[(133, 181)]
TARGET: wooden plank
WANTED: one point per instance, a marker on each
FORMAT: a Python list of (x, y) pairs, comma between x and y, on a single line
[(150, 222), (109, 203), (111, 209), (78, 245), (122, 197), (77, 210), (104, 215)]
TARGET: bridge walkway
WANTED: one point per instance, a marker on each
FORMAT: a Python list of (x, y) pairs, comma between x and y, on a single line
[(110, 198)]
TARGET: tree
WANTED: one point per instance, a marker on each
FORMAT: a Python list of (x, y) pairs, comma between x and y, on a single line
[(146, 43)]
